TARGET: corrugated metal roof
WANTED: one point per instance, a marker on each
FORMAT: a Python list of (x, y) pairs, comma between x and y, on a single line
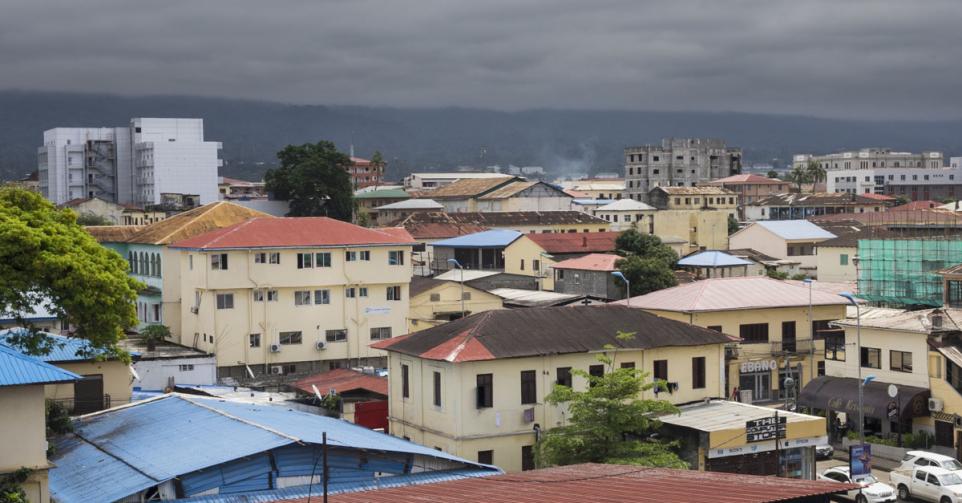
[(195, 222), (712, 258), (64, 349), (413, 204), (794, 229), (465, 275), (496, 238), (343, 380), (113, 233), (576, 242), (748, 179), (18, 369), (532, 298), (466, 188), (382, 194), (725, 294), (725, 415), (292, 232), (509, 190), (590, 262), (626, 205)]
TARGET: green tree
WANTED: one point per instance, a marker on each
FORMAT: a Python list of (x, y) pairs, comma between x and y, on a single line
[(645, 274), (900, 200), (732, 224), (608, 422), (313, 178), (798, 176), (631, 242), (772, 173), (153, 334), (815, 172), (46, 258), (86, 219), (377, 163)]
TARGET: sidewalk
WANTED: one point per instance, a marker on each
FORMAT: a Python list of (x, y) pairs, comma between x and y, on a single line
[(877, 463)]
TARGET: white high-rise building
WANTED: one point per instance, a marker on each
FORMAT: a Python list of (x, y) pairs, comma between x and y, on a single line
[(129, 165)]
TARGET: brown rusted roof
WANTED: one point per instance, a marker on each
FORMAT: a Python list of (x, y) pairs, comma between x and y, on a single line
[(343, 381), (502, 218), (113, 233), (195, 222), (470, 187), (576, 242)]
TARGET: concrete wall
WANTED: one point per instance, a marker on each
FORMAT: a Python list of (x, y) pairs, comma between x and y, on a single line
[(172, 156), (23, 440), (829, 261), (423, 309), (701, 228), (118, 381), (521, 256), (760, 239), (594, 283), (886, 341), (155, 374)]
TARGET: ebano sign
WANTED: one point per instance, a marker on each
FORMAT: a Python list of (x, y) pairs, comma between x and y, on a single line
[(759, 366)]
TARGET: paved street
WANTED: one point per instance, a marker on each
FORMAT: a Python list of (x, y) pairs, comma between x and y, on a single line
[(880, 469)]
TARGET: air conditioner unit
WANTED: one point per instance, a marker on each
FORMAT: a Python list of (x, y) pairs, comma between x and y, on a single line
[(277, 370), (194, 309), (275, 348), (935, 405), (320, 345)]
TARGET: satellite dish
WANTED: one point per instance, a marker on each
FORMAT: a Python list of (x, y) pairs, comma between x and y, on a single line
[(893, 391)]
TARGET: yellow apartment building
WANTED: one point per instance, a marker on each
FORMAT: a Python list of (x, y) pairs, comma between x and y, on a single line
[(536, 254), (293, 295), (435, 301), (775, 321), (784, 239), (696, 214), (475, 387)]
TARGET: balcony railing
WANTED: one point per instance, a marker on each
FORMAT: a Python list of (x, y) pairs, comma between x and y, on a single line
[(789, 347)]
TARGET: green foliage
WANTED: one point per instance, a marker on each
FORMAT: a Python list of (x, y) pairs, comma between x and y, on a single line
[(631, 242), (46, 257), (774, 274), (363, 218), (918, 440), (799, 277), (155, 333), (732, 224), (798, 176), (815, 173), (92, 219), (900, 200), (772, 173), (11, 490), (608, 422), (58, 419), (312, 177), (645, 274)]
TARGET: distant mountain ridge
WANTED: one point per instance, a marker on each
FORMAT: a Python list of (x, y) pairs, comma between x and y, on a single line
[(563, 141)]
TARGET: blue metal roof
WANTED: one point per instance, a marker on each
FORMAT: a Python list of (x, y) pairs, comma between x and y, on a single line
[(712, 258), (795, 229), (496, 238), (589, 202), (17, 369), (209, 442), (65, 349)]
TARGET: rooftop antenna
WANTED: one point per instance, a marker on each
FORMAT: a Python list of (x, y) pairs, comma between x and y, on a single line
[(352, 150)]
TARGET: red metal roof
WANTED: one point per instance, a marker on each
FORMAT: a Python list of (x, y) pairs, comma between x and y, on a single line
[(343, 381), (291, 233), (576, 242), (917, 205), (878, 197), (590, 262), (603, 484)]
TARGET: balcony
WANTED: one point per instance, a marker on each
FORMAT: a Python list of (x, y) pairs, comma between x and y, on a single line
[(802, 346)]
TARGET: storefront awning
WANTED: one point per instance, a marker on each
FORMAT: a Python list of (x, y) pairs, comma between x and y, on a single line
[(841, 394)]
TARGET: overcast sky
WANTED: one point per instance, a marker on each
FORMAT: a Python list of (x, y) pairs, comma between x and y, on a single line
[(836, 58)]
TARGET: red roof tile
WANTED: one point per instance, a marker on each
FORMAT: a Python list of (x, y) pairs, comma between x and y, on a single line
[(604, 484), (591, 262), (292, 233), (576, 242), (343, 381)]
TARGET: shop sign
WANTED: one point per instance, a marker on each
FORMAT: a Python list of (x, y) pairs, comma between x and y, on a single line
[(758, 366), (766, 428)]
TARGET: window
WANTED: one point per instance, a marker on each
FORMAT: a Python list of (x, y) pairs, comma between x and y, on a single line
[(486, 457), (871, 358), (218, 261), (190, 262), (350, 292), (322, 296), (394, 293), (272, 296), (435, 297), (527, 458), (260, 258), (563, 376), (350, 256), (529, 387), (819, 327), (339, 335), (275, 258), (258, 295), (395, 257), (843, 259), (405, 381), (595, 371), (362, 291), (288, 338), (225, 301), (661, 370), (378, 333), (821, 368), (305, 260), (835, 347), (302, 298), (364, 255), (186, 368), (753, 333), (717, 328), (698, 372), (437, 389), (485, 390), (522, 264), (254, 340), (627, 365), (322, 259), (466, 296), (900, 361)]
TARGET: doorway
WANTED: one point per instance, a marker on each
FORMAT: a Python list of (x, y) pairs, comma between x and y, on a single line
[(88, 394)]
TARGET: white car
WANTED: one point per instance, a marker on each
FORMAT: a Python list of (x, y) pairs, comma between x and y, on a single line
[(928, 483), (872, 490), (915, 459), (824, 451)]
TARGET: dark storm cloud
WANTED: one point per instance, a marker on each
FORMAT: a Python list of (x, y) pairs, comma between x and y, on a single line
[(843, 58)]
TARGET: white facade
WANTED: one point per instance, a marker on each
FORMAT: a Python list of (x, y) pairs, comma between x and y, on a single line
[(129, 165), (157, 375), (428, 181)]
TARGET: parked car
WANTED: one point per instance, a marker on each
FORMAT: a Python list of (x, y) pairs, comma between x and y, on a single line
[(824, 451), (929, 483), (872, 490), (913, 459)]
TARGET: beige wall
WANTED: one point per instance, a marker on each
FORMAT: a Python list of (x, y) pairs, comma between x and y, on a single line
[(171, 291), (526, 250), (829, 263), (459, 427), (760, 239), (225, 331), (423, 309), (118, 382), (23, 441), (702, 228), (735, 437), (886, 341), (622, 220)]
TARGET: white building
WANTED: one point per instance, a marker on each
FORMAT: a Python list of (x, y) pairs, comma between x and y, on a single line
[(134, 164), (872, 170), (622, 213), (428, 181)]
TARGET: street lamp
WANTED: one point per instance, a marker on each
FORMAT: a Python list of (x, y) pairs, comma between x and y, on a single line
[(457, 264), (858, 354), (618, 274), (811, 327)]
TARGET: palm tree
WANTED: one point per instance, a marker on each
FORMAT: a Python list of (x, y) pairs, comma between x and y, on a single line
[(798, 176), (816, 173)]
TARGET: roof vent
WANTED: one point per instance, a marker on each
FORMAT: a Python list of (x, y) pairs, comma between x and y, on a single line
[(936, 320)]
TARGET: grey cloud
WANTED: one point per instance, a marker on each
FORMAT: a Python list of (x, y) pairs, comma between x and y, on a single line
[(853, 58)]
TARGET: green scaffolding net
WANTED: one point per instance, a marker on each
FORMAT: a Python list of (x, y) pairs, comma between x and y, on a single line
[(903, 271)]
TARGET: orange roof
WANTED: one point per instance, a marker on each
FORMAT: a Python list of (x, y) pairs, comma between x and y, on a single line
[(292, 232), (878, 197), (590, 262), (917, 205), (343, 381), (576, 242)]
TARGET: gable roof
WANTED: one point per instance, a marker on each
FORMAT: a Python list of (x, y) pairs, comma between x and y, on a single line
[(793, 229), (382, 194), (64, 349), (576, 242), (17, 369), (516, 187), (626, 205), (501, 218), (343, 381), (412, 204), (471, 187), (520, 297), (748, 178), (510, 333), (495, 238), (292, 232), (113, 233), (918, 205), (727, 294), (195, 222), (712, 258), (704, 190), (590, 262)]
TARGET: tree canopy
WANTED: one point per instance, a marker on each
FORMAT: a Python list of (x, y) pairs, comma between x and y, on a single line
[(648, 264), (312, 177), (609, 423), (631, 242), (47, 259)]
